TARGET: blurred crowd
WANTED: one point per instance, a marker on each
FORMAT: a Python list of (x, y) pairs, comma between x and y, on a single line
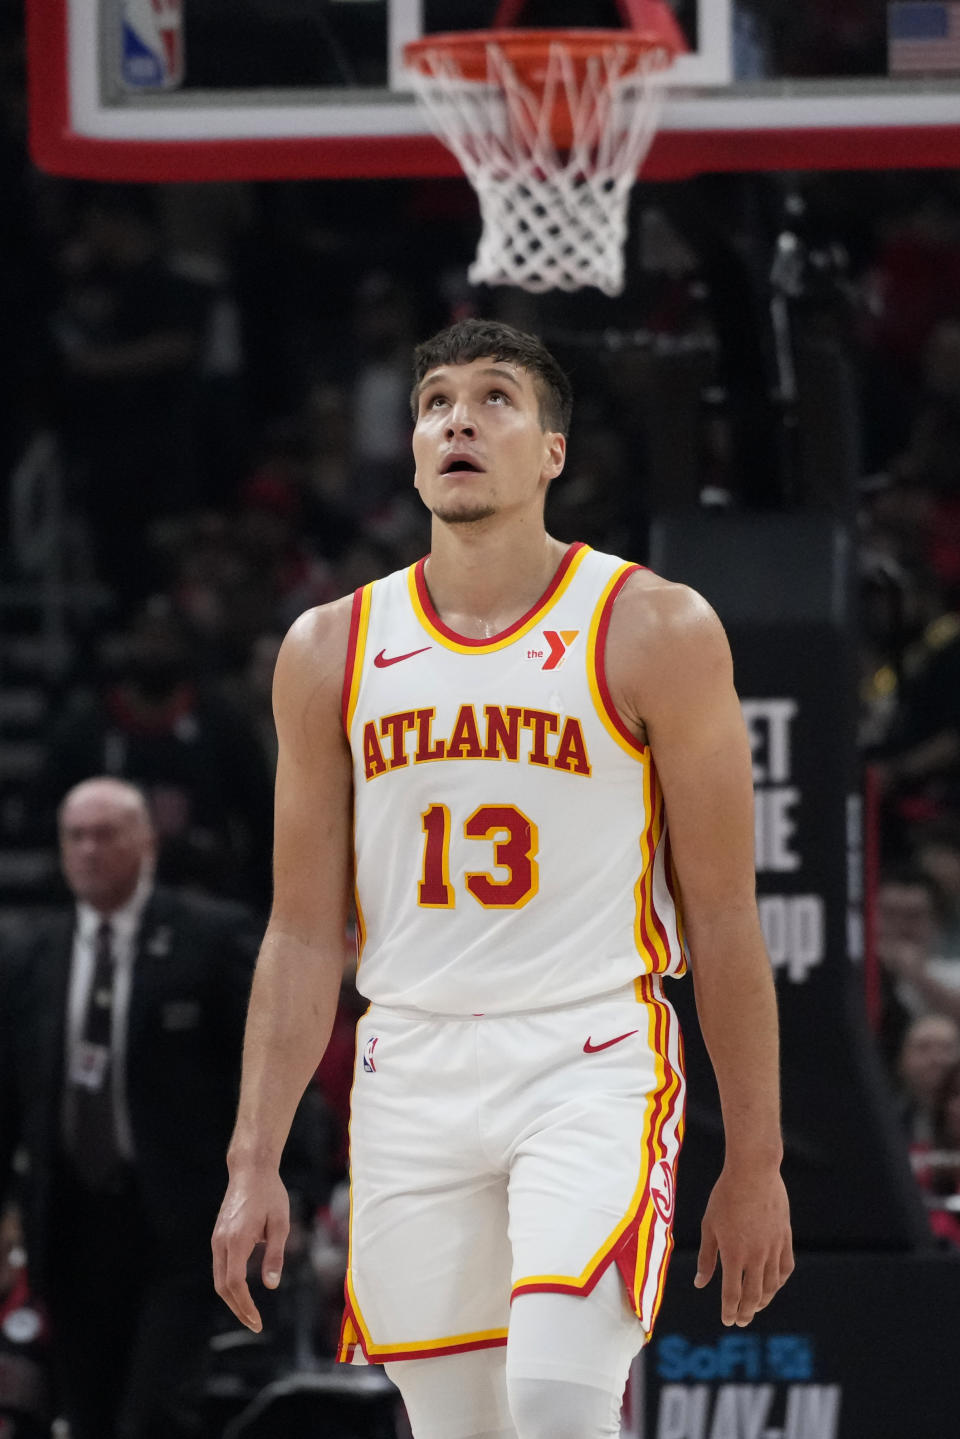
[(207, 424), (909, 644)]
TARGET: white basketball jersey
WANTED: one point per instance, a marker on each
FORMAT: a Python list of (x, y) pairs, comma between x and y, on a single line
[(510, 839)]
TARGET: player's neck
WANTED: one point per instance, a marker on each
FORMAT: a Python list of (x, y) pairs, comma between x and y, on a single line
[(482, 584)]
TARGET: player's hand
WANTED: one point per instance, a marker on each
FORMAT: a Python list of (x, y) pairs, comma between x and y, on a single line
[(746, 1224), (255, 1210)]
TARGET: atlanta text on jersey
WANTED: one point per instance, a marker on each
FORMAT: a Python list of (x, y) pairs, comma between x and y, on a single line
[(556, 741)]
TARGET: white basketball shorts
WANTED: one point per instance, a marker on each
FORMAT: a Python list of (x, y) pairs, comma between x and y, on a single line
[(497, 1155)]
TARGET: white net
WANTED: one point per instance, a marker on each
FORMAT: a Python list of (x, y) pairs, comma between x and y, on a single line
[(554, 218)]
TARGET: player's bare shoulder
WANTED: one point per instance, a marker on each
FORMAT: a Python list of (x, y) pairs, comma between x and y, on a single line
[(308, 679), (665, 645), (653, 613)]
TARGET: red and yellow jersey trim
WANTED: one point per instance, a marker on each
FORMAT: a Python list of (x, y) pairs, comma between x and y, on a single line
[(650, 936), (356, 645), (596, 668), (673, 885), (361, 925), (435, 627), (354, 1334), (641, 1244)]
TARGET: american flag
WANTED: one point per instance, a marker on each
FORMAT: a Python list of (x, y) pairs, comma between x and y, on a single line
[(923, 37)]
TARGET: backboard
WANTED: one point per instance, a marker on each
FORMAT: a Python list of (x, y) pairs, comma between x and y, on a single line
[(273, 89)]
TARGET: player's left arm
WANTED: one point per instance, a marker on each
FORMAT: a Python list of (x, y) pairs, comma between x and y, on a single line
[(671, 675)]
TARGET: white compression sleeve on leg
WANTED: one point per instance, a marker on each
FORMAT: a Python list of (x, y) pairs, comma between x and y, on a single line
[(555, 1409), (565, 1368), (456, 1396), (568, 1356)]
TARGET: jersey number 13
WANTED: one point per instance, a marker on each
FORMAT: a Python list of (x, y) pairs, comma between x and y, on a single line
[(514, 838)]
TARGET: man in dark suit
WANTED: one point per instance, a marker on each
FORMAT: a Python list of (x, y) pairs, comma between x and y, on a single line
[(121, 1029)]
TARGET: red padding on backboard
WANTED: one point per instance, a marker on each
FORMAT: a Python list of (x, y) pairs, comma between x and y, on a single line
[(675, 154), (47, 85), (679, 154), (58, 149)]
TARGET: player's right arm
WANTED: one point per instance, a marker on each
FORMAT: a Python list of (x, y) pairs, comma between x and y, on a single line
[(297, 979)]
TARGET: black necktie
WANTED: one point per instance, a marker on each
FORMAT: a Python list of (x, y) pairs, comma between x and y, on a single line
[(96, 1157)]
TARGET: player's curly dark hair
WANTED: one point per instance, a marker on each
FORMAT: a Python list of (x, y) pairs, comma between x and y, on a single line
[(469, 340)]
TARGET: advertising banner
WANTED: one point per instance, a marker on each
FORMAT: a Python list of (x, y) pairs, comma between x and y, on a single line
[(781, 585), (854, 1347)]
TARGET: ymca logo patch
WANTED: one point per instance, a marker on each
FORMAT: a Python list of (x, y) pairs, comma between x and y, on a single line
[(662, 1191), (558, 641), (368, 1049)]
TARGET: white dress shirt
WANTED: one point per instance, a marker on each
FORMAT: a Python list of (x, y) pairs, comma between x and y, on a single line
[(124, 925)]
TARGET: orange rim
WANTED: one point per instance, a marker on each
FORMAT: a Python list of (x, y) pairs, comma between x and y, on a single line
[(528, 51)]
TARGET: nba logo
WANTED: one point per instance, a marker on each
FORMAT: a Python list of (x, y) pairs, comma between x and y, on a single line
[(151, 44), (368, 1049)]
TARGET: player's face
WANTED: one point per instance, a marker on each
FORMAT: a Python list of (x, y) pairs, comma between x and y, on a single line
[(479, 446)]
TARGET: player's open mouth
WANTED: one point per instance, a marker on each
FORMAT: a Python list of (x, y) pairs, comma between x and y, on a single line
[(461, 464)]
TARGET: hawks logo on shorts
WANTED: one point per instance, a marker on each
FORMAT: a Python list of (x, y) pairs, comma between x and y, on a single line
[(662, 1191), (368, 1049)]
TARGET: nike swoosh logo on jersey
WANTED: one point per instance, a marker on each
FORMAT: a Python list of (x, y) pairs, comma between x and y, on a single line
[(591, 1048), (383, 659)]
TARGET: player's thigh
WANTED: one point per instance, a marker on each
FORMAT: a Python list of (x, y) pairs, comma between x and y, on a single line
[(591, 1179), (429, 1254)]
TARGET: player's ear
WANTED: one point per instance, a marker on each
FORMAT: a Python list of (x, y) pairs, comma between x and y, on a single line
[(556, 453)]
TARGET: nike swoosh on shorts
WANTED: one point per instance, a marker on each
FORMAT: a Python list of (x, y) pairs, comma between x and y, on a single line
[(591, 1048)]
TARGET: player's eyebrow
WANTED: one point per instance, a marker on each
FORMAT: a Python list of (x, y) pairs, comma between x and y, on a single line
[(499, 373), (441, 377)]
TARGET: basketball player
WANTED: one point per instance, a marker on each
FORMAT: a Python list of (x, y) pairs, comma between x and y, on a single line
[(489, 745)]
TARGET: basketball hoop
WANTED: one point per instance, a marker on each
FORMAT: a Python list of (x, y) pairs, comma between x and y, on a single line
[(550, 127)]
